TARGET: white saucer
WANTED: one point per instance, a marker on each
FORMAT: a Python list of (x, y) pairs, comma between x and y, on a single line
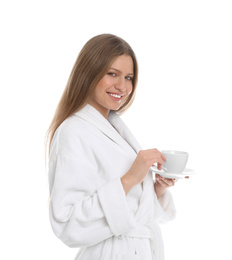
[(173, 175)]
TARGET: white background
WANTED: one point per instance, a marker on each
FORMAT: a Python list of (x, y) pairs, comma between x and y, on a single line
[(183, 102)]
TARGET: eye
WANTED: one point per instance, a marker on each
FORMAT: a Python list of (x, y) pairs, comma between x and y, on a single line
[(128, 77), (112, 74)]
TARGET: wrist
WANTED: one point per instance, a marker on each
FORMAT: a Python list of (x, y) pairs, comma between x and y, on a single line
[(127, 183), (159, 190)]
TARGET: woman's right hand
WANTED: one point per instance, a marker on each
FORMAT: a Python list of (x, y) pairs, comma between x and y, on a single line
[(139, 169)]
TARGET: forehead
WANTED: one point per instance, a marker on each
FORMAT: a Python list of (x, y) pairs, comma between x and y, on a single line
[(123, 63)]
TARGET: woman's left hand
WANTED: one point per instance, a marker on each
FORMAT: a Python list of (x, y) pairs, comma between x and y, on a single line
[(162, 184)]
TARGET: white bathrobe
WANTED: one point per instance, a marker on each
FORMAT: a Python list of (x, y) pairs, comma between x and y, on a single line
[(88, 205)]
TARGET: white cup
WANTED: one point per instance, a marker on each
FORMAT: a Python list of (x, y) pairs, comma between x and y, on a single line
[(175, 161)]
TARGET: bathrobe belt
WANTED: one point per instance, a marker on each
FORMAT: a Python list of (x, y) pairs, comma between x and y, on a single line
[(140, 231), (147, 232)]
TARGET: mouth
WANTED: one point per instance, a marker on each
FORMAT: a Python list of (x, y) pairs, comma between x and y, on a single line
[(115, 96)]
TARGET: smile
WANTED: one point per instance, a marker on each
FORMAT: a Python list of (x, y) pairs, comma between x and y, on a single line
[(115, 95)]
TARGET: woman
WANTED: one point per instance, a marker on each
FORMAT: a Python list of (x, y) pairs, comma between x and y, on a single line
[(102, 194)]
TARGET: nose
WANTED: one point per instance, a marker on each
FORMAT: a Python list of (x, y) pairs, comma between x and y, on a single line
[(120, 85)]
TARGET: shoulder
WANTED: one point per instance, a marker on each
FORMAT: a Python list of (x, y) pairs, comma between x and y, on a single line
[(73, 126), (72, 135)]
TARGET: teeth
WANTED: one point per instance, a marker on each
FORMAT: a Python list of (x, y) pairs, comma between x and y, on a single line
[(114, 95)]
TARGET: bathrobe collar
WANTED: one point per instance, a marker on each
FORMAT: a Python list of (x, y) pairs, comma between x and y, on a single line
[(114, 128)]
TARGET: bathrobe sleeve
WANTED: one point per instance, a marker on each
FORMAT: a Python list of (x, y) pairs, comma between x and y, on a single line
[(165, 210), (85, 208)]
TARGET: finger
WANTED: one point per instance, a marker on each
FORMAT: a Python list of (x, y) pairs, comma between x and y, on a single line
[(158, 177), (160, 163), (161, 182), (156, 157), (169, 182), (159, 166), (163, 157)]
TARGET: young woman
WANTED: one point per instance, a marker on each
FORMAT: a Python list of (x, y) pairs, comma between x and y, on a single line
[(102, 195)]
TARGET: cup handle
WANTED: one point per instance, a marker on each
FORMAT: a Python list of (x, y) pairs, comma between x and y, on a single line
[(154, 167)]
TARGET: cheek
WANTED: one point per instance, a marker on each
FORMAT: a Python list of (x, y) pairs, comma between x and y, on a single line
[(101, 87), (107, 81)]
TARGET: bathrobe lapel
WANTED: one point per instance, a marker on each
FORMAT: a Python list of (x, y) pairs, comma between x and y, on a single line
[(124, 131), (115, 129), (147, 196)]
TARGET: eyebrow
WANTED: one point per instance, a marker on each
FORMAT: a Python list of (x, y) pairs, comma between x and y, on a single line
[(121, 72)]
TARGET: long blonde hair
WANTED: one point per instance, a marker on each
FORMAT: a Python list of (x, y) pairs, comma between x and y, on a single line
[(92, 63)]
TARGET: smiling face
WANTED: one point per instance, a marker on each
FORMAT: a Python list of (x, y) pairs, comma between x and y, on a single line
[(113, 89)]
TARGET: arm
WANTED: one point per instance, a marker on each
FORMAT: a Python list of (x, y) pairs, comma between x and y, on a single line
[(140, 168), (85, 209), (164, 205)]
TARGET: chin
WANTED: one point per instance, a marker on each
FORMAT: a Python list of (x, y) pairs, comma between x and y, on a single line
[(115, 108)]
